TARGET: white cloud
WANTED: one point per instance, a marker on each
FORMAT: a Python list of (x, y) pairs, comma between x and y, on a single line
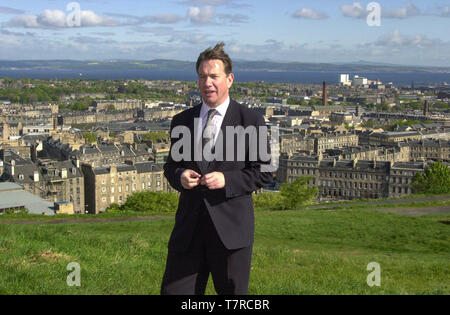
[(402, 13), (52, 18), (27, 20), (90, 18), (356, 10), (311, 14), (58, 19), (396, 39), (201, 16)]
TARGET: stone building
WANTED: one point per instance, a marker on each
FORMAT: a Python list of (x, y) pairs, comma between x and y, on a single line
[(115, 183), (317, 143), (399, 153), (56, 181), (430, 150), (334, 141), (351, 179), (392, 138), (102, 154)]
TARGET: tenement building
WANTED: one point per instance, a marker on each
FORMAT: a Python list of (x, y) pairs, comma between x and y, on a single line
[(115, 183), (430, 150), (351, 179), (56, 181), (315, 144)]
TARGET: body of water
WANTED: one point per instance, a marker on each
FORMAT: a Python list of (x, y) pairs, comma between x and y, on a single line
[(306, 77)]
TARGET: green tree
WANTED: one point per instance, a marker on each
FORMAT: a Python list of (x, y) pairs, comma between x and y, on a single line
[(298, 193), (90, 137), (434, 180)]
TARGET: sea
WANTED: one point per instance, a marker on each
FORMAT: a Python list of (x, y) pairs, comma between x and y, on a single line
[(301, 77)]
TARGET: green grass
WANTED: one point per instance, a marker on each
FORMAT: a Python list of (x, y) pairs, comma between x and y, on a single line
[(295, 252)]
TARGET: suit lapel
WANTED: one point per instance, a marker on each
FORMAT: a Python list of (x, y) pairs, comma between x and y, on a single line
[(228, 120), (192, 127)]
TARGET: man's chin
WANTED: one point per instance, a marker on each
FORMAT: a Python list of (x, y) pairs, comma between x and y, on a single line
[(210, 102)]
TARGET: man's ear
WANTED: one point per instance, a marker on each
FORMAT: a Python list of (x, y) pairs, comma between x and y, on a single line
[(230, 80)]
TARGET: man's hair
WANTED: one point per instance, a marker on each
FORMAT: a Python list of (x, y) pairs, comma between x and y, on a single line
[(216, 53)]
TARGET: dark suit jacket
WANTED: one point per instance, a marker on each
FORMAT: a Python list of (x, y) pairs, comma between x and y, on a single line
[(230, 208)]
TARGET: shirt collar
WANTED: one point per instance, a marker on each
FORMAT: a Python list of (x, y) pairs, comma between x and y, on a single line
[(222, 108)]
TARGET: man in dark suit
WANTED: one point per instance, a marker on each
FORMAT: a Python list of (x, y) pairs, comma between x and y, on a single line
[(214, 224)]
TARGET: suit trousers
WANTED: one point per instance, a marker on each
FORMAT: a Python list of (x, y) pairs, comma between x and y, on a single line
[(187, 272)]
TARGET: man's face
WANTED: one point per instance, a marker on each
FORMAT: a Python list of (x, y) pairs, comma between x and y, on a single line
[(213, 82)]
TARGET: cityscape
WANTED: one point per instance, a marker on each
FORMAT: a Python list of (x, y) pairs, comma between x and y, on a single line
[(104, 189), (79, 146)]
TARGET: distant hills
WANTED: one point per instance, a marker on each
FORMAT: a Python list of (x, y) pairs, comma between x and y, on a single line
[(163, 64)]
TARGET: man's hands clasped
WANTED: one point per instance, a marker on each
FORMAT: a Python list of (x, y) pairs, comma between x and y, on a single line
[(191, 179)]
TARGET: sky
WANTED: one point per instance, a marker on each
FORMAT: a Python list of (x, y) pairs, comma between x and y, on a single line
[(412, 32)]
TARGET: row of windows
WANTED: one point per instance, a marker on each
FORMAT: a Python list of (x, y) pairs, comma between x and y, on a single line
[(401, 180), (399, 190), (359, 185), (158, 176), (349, 193), (293, 171), (352, 175), (127, 187)]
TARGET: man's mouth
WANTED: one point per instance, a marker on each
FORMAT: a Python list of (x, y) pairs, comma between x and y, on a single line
[(209, 93)]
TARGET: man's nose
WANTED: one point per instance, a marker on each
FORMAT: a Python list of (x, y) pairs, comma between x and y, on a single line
[(208, 81)]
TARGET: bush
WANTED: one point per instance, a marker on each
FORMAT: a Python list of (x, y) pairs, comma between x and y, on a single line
[(268, 200), (291, 196), (149, 202)]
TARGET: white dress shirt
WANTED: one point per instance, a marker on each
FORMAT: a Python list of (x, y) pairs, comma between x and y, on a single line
[(216, 120)]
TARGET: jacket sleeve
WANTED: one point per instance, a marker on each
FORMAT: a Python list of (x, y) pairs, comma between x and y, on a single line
[(250, 178), (173, 169)]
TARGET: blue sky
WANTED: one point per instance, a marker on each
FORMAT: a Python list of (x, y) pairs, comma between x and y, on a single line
[(412, 32)]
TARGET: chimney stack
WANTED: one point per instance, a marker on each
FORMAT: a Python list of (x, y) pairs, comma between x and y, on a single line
[(425, 108), (324, 94)]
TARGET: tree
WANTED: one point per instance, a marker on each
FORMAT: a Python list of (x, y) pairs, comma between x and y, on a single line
[(90, 137), (434, 180), (298, 193)]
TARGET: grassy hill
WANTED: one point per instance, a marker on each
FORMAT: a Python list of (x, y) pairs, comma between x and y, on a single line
[(295, 252)]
